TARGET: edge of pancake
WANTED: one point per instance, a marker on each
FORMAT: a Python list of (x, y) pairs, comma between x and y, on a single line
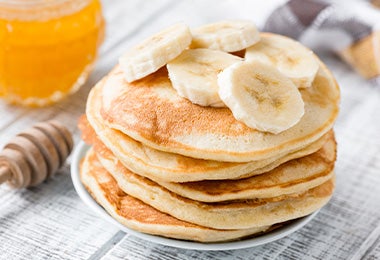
[(170, 167), (264, 185), (291, 177), (103, 188), (230, 215)]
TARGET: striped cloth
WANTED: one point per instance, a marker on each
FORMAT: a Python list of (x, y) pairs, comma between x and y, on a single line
[(349, 28)]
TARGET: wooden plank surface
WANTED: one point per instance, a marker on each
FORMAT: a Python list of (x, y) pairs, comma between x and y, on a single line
[(50, 221)]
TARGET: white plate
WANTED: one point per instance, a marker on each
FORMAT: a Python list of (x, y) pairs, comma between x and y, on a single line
[(245, 243)]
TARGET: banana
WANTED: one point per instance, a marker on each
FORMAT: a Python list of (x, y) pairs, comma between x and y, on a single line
[(154, 52), (194, 74), (228, 36), (288, 56), (260, 96)]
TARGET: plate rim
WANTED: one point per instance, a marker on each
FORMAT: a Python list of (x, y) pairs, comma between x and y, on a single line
[(274, 235)]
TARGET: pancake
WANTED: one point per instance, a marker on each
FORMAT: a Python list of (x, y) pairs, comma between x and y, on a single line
[(292, 177), (172, 167), (295, 176), (139, 216), (150, 111), (241, 214)]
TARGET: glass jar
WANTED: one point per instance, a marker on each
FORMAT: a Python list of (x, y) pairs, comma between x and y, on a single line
[(47, 48)]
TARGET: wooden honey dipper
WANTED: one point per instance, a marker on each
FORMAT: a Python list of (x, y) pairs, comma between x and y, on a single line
[(35, 154)]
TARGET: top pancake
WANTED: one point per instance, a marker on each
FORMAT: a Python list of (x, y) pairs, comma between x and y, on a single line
[(151, 111), (172, 167)]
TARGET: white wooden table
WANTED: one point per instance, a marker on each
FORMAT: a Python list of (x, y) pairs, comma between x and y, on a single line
[(51, 222)]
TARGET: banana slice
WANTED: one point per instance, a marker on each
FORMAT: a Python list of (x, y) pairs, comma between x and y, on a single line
[(194, 75), (228, 36), (260, 96), (288, 56), (155, 52)]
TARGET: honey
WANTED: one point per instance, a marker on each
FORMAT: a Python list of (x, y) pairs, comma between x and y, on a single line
[(47, 48)]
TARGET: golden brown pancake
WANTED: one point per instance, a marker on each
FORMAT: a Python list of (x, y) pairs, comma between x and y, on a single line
[(292, 177), (137, 215), (172, 167), (241, 214), (150, 111)]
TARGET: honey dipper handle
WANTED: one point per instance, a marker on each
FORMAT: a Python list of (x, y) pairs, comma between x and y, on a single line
[(5, 174)]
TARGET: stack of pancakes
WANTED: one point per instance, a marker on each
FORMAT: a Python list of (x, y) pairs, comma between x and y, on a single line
[(162, 165)]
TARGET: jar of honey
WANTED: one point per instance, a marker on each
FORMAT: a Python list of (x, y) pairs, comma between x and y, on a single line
[(47, 48)]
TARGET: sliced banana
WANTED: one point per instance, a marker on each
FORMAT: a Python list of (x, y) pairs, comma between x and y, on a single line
[(228, 36), (155, 52), (288, 56), (260, 96), (194, 75)]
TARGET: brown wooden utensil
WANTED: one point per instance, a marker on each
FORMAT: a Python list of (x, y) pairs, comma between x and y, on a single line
[(35, 154)]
